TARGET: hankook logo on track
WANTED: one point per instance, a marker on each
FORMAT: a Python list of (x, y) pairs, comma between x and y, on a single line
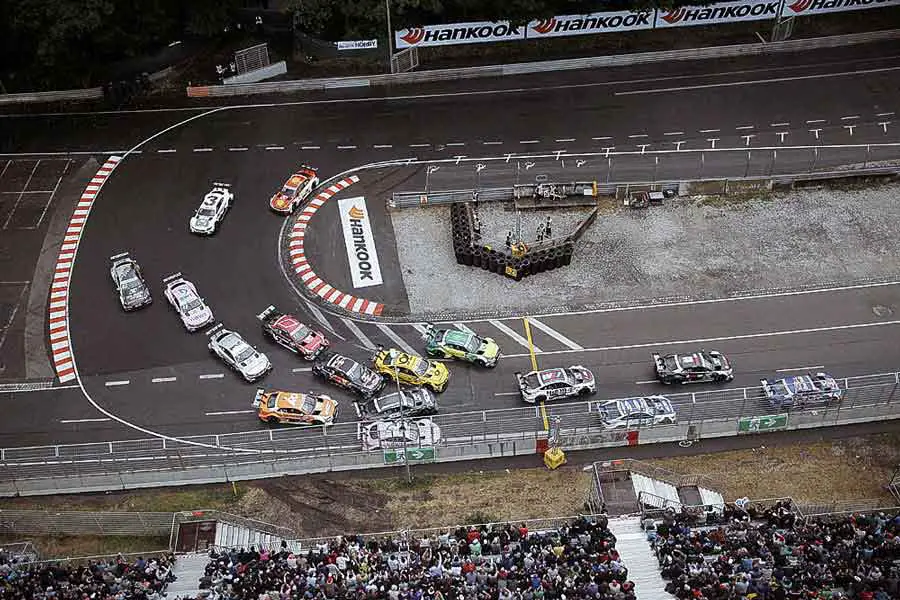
[(361, 255)]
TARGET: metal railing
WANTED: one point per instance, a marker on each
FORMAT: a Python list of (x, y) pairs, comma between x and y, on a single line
[(54, 96), (544, 66), (53, 522), (218, 515), (659, 473), (465, 436)]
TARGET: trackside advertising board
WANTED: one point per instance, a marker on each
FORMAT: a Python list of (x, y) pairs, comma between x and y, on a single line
[(586, 24), (458, 33), (721, 12), (798, 8), (364, 267)]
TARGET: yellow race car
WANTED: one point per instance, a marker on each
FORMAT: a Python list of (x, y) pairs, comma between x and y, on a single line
[(411, 369)]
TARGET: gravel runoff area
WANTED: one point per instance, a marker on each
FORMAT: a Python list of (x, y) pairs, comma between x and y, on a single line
[(691, 247)]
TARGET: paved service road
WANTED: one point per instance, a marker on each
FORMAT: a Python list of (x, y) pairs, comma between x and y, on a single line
[(145, 368)]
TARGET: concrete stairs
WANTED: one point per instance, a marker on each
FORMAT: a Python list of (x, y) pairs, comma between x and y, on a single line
[(638, 557), (229, 536), (189, 568)]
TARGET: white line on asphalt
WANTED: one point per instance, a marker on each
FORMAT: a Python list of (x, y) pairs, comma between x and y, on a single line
[(455, 144), (506, 393), (19, 388), (212, 376), (162, 379), (202, 149), (710, 130), (601, 138), (491, 143), (779, 124), (419, 327), (396, 339), (529, 141), (566, 140), (811, 121), (745, 127), (381, 146), (97, 420), (420, 145), (238, 149), (346, 147), (638, 135), (274, 147), (555, 334), (646, 382), (358, 333), (115, 383), (310, 147), (514, 335), (707, 86), (850, 118), (320, 317), (674, 133), (228, 412), (462, 327), (800, 369), (301, 369), (166, 151), (885, 114), (748, 336)]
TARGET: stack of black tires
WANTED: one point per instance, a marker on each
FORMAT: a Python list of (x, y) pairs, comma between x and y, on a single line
[(470, 251)]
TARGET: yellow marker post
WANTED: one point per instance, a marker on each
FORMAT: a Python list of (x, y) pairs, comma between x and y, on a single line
[(534, 367)]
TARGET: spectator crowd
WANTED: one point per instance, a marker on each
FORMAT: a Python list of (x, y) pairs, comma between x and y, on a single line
[(118, 579), (578, 560), (771, 554)]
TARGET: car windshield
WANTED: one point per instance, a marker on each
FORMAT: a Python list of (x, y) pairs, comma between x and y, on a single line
[(190, 303), (531, 380), (671, 363), (242, 353), (472, 344), (352, 370), (300, 334), (308, 406), (271, 403), (131, 285), (780, 388), (206, 212), (286, 191), (420, 367)]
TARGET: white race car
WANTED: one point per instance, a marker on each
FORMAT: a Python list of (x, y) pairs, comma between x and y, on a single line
[(237, 353), (413, 434), (183, 297), (126, 275), (211, 212), (630, 413)]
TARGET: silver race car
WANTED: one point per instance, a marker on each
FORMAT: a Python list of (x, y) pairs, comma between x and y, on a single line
[(211, 212), (126, 275), (556, 384), (183, 296), (237, 353)]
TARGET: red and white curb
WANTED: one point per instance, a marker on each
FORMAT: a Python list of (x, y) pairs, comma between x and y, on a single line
[(58, 321), (301, 267)]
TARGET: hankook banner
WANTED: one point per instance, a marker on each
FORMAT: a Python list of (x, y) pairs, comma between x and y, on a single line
[(361, 254), (797, 8), (592, 23), (458, 33), (721, 12)]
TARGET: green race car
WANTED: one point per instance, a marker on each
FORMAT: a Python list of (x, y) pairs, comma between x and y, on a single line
[(463, 345)]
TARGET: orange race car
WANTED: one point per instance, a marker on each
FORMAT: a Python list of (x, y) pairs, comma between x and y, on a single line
[(294, 408), (296, 189)]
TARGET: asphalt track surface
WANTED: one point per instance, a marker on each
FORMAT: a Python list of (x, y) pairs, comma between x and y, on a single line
[(146, 370)]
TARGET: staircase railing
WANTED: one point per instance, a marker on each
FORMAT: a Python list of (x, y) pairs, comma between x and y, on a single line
[(217, 515)]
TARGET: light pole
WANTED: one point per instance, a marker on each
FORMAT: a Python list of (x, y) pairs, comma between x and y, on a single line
[(390, 35), (405, 425)]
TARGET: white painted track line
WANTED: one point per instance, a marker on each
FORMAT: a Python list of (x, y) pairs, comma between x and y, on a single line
[(213, 376), (813, 368), (228, 412), (386, 330), (506, 393), (462, 327), (301, 370), (555, 334), (97, 420), (162, 379), (514, 335), (358, 333), (117, 383), (748, 336), (649, 381)]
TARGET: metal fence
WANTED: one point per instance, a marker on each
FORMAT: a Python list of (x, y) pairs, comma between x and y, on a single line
[(54, 96), (465, 436), (53, 522), (545, 66)]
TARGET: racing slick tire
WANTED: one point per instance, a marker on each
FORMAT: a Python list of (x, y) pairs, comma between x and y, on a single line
[(540, 399), (272, 420), (524, 268), (586, 392), (467, 258)]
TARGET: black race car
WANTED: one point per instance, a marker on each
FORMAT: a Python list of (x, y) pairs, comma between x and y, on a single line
[(349, 374)]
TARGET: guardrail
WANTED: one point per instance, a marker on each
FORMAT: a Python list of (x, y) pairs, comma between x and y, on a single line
[(466, 436), (58, 95), (544, 66), (54, 522)]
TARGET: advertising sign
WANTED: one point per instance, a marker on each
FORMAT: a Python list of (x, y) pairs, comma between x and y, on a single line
[(725, 12), (357, 44), (796, 8), (396, 457), (586, 24), (364, 268), (763, 423), (458, 33)]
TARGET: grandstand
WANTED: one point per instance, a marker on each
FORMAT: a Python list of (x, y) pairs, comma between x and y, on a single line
[(654, 535)]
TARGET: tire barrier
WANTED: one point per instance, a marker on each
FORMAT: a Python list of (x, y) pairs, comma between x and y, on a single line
[(469, 251)]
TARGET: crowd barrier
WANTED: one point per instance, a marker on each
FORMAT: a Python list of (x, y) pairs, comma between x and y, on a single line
[(595, 62)]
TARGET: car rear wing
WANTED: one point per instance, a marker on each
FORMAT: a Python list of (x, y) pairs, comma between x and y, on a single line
[(767, 388), (659, 363), (264, 315), (214, 329), (221, 184), (257, 400), (172, 277), (116, 257)]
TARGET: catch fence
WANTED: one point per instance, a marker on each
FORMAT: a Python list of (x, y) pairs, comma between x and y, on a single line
[(465, 436)]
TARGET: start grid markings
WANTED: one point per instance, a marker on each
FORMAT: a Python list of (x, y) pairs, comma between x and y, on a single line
[(27, 188), (58, 317)]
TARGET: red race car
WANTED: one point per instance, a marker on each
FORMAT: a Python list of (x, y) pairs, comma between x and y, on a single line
[(295, 190), (288, 331)]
